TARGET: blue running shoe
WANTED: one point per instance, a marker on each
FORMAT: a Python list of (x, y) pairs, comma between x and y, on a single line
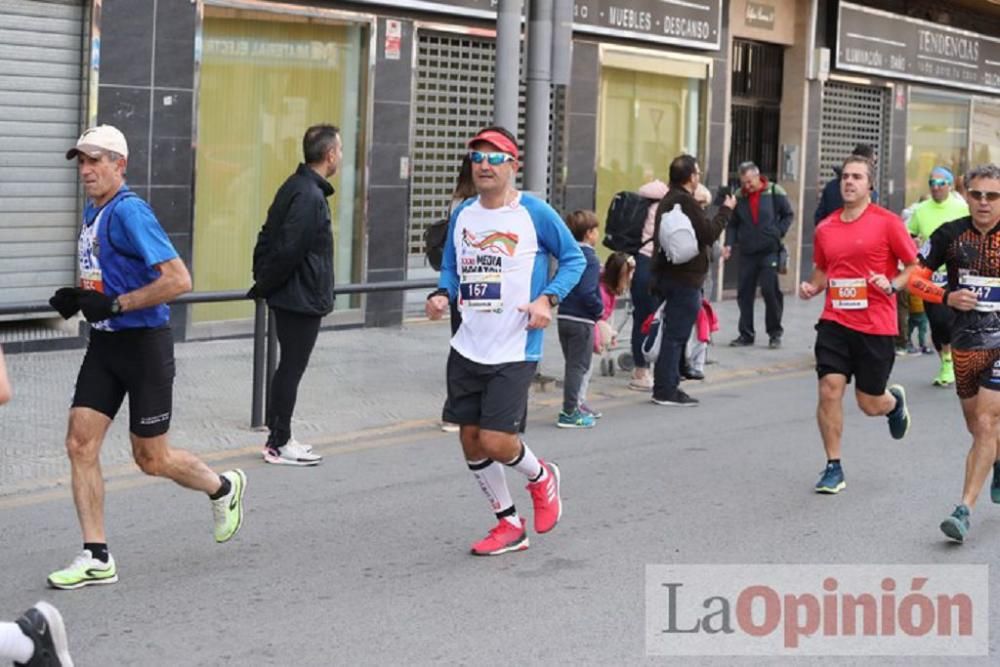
[(899, 418), (995, 486), (832, 480), (576, 419), (957, 525)]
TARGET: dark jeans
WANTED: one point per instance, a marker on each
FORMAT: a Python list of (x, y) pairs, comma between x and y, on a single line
[(296, 338), (679, 315), (643, 305), (577, 342), (760, 270)]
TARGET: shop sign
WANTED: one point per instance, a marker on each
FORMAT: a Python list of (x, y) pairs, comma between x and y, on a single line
[(760, 16), (692, 23), (900, 47)]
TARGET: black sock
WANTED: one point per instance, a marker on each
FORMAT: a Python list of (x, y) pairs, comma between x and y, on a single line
[(896, 409), (223, 488), (829, 461), (98, 550)]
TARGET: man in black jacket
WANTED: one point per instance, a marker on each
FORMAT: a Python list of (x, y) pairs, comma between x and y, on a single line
[(293, 270), (680, 284), (759, 223)]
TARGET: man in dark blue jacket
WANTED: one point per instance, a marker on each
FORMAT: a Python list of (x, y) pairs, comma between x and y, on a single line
[(758, 225), (293, 270), (578, 313)]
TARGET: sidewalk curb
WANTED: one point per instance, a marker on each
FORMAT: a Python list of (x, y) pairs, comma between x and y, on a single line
[(128, 476)]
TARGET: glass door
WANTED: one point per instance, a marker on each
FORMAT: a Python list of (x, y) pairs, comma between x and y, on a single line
[(264, 79)]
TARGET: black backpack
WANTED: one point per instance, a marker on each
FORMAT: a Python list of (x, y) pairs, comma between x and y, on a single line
[(626, 218), (434, 237)]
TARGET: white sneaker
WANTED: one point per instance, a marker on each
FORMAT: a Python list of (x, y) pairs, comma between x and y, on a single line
[(292, 454), (644, 383), (307, 448)]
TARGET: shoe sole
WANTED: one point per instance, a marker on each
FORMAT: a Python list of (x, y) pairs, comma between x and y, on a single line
[(554, 470), (84, 583), (57, 629), (831, 490), (673, 404), (562, 425), (635, 387), (520, 545), (281, 461), (953, 529), (239, 506)]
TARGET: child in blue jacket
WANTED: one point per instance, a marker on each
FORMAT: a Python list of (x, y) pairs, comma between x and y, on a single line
[(578, 313)]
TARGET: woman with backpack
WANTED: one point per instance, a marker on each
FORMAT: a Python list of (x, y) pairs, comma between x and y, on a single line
[(643, 301)]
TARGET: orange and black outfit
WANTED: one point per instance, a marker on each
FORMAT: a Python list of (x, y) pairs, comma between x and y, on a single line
[(973, 262)]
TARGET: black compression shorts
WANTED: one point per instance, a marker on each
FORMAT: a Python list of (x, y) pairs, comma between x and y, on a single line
[(137, 362)]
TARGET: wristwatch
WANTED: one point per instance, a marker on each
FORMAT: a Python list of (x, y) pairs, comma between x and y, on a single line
[(116, 307), (553, 300)]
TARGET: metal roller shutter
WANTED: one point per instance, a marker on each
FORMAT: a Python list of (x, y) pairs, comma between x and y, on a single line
[(453, 99), (853, 114), (41, 69)]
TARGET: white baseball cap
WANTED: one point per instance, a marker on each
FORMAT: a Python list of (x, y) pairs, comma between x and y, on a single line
[(96, 140)]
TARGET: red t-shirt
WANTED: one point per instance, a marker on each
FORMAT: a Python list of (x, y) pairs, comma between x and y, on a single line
[(849, 252)]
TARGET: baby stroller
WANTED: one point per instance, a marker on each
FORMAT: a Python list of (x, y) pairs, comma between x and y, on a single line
[(612, 346)]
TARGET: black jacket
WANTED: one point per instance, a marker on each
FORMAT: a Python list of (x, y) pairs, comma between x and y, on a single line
[(774, 217), (293, 258), (690, 273)]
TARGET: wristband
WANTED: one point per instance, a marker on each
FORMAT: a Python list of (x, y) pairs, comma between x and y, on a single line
[(440, 291)]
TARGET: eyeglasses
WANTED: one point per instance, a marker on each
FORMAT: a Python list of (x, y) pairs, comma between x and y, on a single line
[(938, 182), (494, 159), (979, 195)]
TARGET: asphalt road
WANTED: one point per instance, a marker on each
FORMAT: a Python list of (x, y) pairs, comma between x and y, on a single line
[(364, 560)]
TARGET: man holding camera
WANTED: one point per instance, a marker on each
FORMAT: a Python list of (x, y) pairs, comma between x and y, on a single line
[(758, 225)]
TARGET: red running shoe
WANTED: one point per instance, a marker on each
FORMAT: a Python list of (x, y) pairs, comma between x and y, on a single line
[(548, 503), (504, 537)]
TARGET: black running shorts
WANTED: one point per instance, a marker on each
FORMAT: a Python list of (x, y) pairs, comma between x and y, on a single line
[(137, 362), (844, 351), (491, 396)]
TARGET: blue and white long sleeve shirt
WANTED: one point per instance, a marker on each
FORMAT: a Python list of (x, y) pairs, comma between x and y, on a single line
[(497, 260)]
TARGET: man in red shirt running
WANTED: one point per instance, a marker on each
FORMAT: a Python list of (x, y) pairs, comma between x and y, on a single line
[(856, 253)]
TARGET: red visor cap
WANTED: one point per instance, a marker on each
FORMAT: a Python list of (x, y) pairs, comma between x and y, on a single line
[(497, 139)]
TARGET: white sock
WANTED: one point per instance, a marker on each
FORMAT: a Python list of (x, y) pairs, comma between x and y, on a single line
[(527, 464), (493, 483), (14, 644)]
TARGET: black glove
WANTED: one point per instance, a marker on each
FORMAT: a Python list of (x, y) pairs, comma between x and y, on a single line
[(66, 301), (95, 305)]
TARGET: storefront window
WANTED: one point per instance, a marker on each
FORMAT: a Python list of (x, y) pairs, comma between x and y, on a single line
[(645, 120), (985, 133), (937, 134), (264, 79)]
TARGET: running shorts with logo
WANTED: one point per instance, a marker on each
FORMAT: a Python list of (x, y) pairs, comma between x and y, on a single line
[(973, 262), (136, 362), (867, 357), (491, 396)]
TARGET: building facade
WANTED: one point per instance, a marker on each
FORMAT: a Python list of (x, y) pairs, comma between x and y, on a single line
[(214, 96)]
